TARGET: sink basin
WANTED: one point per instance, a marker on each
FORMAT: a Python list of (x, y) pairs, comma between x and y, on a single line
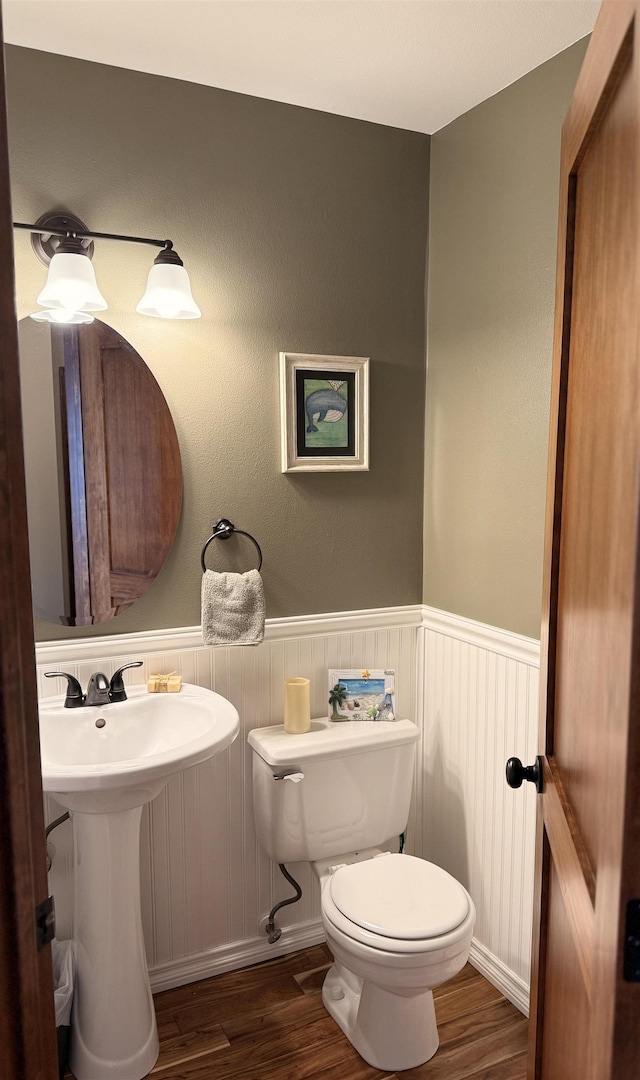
[(103, 763), (143, 739)]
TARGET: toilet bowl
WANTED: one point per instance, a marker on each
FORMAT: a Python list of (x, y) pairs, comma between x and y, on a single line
[(397, 927)]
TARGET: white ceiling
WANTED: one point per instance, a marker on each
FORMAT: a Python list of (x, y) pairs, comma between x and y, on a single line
[(414, 64)]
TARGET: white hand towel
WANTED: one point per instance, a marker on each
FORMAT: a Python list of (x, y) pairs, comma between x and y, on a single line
[(232, 608)]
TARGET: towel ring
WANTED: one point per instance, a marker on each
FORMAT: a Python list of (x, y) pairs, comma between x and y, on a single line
[(222, 531)]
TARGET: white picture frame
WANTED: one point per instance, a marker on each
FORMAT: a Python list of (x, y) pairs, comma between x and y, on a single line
[(324, 413)]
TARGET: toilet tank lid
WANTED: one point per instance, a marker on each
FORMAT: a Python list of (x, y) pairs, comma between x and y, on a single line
[(277, 747)]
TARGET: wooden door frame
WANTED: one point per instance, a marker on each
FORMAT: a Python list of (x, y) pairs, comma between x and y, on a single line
[(27, 1020), (617, 32)]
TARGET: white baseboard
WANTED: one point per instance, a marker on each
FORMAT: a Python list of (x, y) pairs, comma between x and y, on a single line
[(240, 954), (243, 954), (505, 980)]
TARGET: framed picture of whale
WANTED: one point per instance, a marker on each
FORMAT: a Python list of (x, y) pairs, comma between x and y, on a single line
[(324, 412)]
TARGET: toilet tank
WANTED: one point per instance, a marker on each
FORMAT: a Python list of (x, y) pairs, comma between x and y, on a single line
[(354, 792)]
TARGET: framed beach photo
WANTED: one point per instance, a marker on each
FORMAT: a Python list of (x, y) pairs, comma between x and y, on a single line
[(362, 694), (324, 412)]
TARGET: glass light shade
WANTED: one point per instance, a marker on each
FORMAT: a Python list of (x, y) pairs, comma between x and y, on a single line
[(61, 315), (168, 294), (71, 285)]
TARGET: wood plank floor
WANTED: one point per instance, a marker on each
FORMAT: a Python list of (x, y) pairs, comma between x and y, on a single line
[(268, 1022)]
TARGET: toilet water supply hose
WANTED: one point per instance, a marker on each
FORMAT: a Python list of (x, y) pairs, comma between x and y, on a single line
[(274, 932)]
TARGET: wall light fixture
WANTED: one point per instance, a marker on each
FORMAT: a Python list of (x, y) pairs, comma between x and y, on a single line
[(71, 294)]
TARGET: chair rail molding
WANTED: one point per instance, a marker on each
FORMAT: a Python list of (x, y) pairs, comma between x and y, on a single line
[(492, 638), (75, 650)]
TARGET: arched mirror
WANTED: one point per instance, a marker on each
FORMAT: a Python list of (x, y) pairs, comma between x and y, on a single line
[(102, 464)]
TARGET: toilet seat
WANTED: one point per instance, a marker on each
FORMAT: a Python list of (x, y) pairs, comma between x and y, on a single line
[(397, 903)]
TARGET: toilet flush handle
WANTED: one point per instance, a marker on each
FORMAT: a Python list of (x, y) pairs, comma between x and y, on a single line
[(291, 774)]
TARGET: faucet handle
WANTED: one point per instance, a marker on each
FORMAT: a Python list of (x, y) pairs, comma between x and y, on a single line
[(74, 698), (116, 687)]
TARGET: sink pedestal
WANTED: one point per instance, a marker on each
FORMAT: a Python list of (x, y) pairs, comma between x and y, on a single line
[(113, 1033), (103, 765)]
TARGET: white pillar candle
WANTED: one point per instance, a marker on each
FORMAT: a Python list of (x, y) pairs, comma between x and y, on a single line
[(297, 706)]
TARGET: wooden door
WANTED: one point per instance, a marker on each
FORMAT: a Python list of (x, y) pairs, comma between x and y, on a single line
[(585, 1014), (27, 1025)]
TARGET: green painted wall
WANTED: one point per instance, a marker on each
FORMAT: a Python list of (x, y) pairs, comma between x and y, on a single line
[(307, 232), (492, 245), (302, 231)]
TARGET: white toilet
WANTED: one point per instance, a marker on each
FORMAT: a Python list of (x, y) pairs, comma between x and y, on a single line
[(397, 926)]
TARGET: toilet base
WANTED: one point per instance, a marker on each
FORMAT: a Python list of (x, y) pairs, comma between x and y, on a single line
[(390, 1031)]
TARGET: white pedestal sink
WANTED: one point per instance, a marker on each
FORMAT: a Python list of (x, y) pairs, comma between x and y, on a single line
[(104, 773)]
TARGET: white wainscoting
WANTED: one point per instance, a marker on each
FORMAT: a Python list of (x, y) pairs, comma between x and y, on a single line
[(205, 883), (479, 704)]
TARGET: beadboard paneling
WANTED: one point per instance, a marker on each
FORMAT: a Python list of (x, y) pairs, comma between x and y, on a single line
[(479, 698), (205, 883)]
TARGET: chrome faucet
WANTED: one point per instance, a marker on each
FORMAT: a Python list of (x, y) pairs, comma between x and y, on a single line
[(100, 690)]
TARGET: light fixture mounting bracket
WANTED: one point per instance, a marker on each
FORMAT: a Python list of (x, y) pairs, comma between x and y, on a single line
[(46, 244)]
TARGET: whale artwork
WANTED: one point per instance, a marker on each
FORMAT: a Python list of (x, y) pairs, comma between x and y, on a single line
[(325, 410), (324, 406)]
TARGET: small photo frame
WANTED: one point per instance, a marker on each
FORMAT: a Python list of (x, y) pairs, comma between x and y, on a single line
[(324, 412), (362, 694)]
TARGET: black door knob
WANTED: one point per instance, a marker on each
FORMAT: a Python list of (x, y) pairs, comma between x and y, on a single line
[(517, 772)]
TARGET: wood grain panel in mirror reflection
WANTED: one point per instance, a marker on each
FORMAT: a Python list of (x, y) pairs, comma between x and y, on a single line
[(104, 480)]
